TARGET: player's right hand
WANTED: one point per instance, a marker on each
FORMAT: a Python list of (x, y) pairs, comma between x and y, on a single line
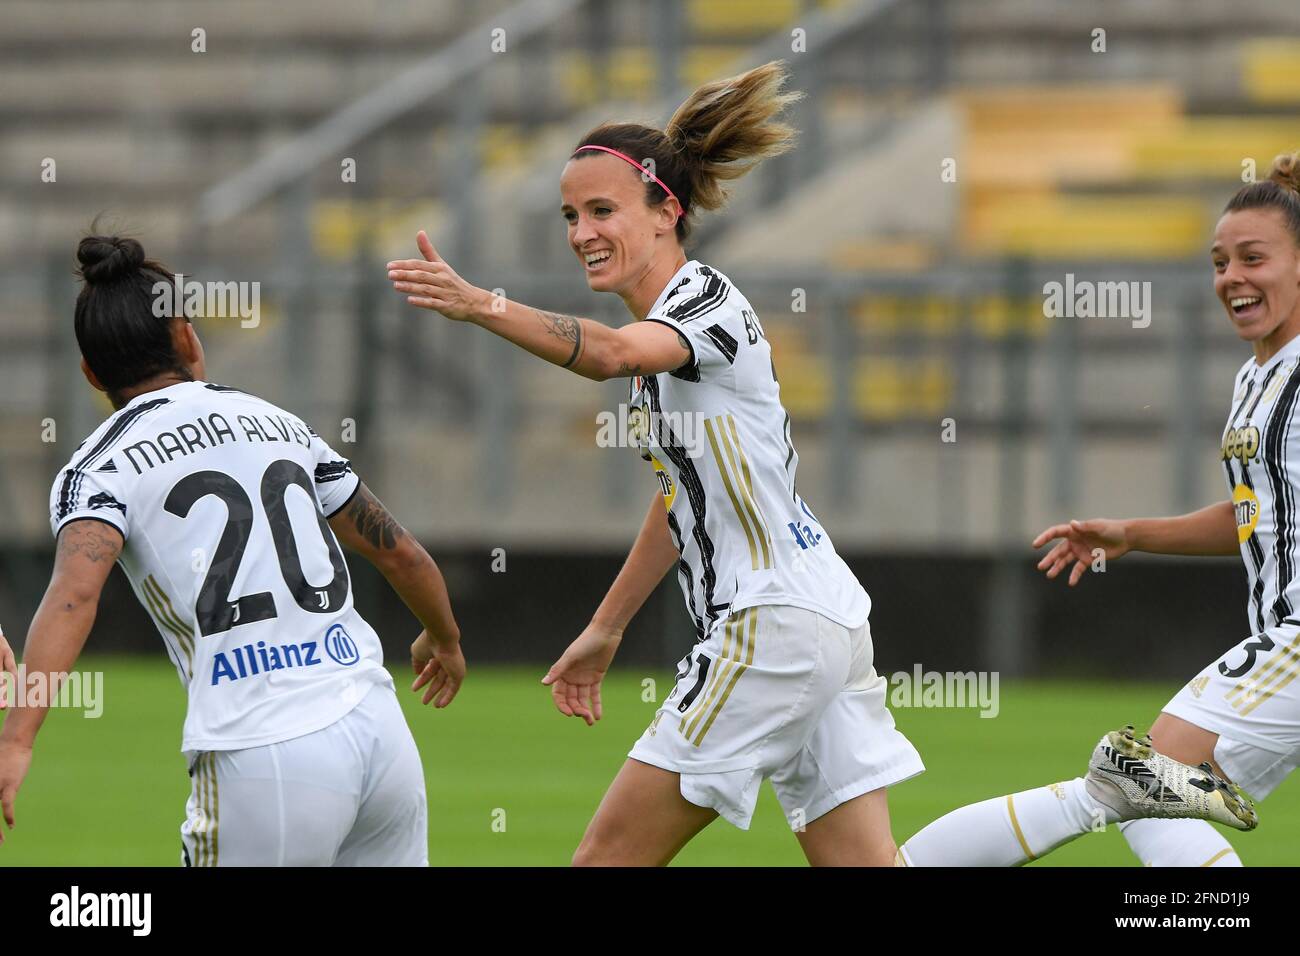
[(575, 678), (15, 758), (430, 283), (1082, 542), (7, 666)]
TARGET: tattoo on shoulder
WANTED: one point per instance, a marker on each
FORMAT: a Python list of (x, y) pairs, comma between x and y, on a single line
[(685, 343), (373, 522), (565, 328), (90, 539)]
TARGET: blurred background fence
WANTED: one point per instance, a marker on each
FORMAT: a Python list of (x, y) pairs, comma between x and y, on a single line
[(956, 157)]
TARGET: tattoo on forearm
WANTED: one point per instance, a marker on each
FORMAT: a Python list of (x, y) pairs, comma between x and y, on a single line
[(93, 540), (566, 328), (373, 522)]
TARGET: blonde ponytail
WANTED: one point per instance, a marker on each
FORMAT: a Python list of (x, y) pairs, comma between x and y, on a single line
[(726, 128), (722, 131)]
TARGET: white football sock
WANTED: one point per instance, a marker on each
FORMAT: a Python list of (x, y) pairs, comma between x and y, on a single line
[(1178, 843), (1008, 831)]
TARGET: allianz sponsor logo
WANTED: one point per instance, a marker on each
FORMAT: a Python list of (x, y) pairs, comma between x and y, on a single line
[(75, 908), (250, 660)]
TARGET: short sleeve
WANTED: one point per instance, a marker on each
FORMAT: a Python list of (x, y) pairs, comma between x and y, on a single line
[(701, 309), (334, 478), (97, 492), (713, 348)]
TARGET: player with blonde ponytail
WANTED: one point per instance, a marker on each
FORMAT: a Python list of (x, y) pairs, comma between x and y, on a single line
[(1239, 718), (780, 683)]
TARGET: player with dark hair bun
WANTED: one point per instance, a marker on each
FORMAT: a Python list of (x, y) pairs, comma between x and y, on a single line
[(226, 513), (123, 339)]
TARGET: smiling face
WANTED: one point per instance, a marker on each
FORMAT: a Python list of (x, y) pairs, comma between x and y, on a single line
[(612, 230), (1257, 277)]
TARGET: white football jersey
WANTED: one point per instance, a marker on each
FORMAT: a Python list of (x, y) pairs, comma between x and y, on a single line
[(221, 499), (719, 440), (1261, 456)]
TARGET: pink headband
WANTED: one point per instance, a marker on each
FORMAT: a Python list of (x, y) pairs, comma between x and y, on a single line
[(641, 168)]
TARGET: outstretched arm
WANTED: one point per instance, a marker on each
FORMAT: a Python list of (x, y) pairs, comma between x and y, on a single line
[(85, 554), (1212, 531), (587, 348)]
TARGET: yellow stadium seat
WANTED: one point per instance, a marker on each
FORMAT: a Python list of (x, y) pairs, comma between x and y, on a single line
[(739, 18), (504, 145), (632, 73), (937, 315), (805, 386), (1271, 70), (338, 226), (1041, 137), (940, 316), (703, 64), (1066, 226), (1057, 107), (889, 389), (1213, 147), (883, 254), (879, 314)]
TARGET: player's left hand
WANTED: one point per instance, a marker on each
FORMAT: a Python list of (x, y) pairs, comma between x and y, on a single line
[(432, 284), (15, 758), (7, 666), (576, 677), (439, 666)]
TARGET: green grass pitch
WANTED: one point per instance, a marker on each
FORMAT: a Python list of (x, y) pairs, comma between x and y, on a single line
[(111, 791)]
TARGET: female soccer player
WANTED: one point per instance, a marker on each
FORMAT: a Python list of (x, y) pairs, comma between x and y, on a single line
[(226, 514), (1240, 715), (780, 683)]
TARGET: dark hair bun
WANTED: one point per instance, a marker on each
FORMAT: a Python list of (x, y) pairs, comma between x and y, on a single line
[(108, 258)]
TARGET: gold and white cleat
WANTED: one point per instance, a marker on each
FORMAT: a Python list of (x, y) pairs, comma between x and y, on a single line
[(1130, 777)]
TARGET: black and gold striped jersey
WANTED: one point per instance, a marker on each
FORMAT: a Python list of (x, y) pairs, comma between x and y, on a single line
[(222, 500), (1260, 453), (719, 441)]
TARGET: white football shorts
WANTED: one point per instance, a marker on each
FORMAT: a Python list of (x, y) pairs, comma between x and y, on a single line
[(350, 794), (1251, 699), (779, 692)]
